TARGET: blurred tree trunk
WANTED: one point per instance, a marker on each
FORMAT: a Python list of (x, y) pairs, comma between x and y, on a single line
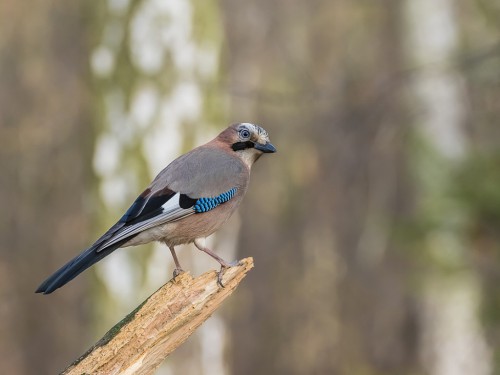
[(45, 138), (156, 67), (479, 177), (324, 78), (452, 341)]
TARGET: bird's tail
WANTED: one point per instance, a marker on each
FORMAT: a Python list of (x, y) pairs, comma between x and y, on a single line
[(76, 266)]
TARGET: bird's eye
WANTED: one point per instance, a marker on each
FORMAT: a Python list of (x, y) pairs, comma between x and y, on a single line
[(244, 133)]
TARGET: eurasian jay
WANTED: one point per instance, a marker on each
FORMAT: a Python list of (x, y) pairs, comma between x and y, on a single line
[(188, 201)]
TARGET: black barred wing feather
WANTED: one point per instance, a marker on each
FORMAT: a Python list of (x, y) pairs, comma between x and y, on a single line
[(162, 211)]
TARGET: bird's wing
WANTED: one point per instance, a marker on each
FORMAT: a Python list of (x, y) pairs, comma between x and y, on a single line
[(150, 210), (177, 206)]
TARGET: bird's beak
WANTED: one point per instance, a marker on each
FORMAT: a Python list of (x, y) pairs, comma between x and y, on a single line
[(267, 148)]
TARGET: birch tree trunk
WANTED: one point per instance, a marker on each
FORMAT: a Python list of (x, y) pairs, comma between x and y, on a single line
[(156, 70)]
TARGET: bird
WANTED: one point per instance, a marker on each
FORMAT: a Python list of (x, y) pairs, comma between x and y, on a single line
[(187, 201)]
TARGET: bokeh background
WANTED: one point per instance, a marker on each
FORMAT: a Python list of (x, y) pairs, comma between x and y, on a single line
[(374, 229)]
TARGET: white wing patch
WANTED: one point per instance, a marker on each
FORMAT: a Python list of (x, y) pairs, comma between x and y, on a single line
[(172, 211)]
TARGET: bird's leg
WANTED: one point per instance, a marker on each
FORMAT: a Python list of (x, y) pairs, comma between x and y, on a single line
[(200, 244), (178, 269)]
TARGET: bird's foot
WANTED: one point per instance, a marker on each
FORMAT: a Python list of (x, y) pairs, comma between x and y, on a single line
[(235, 263), (178, 271), (219, 276)]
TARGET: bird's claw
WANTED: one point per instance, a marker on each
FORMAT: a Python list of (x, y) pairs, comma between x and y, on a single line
[(235, 263), (219, 276), (177, 272)]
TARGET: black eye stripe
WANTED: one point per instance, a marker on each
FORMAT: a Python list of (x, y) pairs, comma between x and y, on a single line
[(242, 145)]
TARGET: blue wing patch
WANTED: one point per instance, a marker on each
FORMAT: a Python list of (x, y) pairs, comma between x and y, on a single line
[(207, 204)]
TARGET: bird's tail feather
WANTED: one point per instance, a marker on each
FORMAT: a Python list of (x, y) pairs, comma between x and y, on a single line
[(76, 266)]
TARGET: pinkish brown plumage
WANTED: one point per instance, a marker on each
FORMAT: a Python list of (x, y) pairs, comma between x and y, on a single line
[(188, 201)]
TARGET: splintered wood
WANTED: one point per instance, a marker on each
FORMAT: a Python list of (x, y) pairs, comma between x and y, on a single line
[(141, 341)]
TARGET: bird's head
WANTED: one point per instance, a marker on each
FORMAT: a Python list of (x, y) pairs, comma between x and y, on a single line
[(249, 141)]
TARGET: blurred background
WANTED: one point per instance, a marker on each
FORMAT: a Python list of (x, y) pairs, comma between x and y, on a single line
[(374, 229)]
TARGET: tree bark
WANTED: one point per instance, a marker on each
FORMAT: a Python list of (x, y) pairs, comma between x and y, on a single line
[(141, 341)]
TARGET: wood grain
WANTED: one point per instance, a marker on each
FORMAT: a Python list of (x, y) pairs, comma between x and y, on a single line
[(141, 341)]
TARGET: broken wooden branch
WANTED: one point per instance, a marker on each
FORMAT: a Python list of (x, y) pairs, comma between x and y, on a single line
[(141, 341)]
